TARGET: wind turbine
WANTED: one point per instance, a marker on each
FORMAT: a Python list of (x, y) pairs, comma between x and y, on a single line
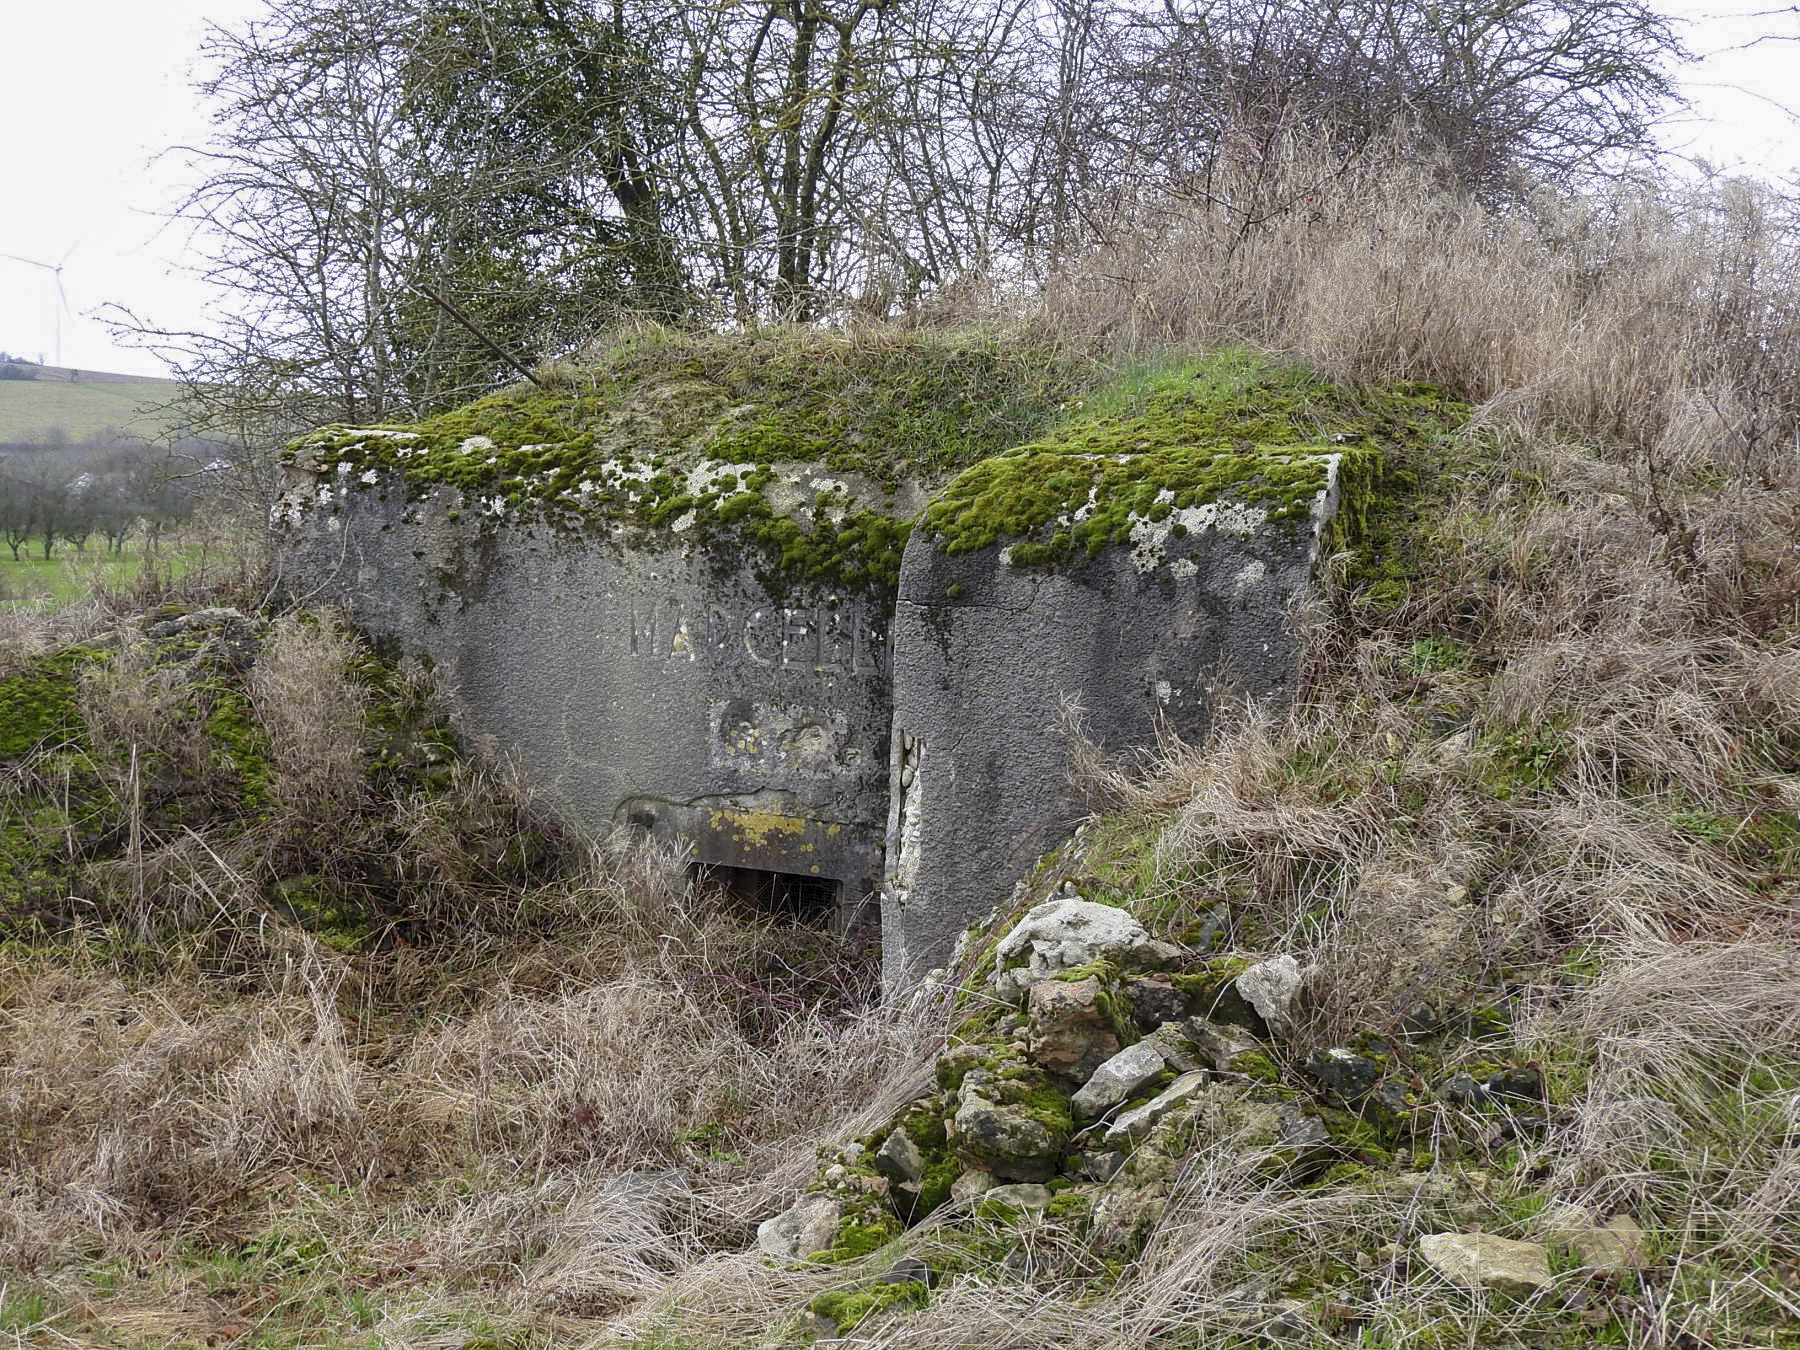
[(62, 297)]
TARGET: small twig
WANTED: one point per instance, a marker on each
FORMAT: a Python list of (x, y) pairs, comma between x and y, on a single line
[(499, 352)]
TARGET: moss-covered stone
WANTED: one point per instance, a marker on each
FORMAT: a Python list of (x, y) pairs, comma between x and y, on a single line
[(867, 1229), (38, 705), (847, 1309), (1012, 1119), (1211, 990)]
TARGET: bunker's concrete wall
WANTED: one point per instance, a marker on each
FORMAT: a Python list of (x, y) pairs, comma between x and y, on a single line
[(988, 655), (917, 754), (654, 686), (818, 607)]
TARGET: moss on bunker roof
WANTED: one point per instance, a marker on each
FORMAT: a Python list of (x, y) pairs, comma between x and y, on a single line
[(800, 443), (892, 406), (1180, 440), (797, 443)]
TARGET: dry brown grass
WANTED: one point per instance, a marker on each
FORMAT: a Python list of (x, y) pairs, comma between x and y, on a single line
[(1659, 316), (1559, 779), (561, 1125), (312, 712)]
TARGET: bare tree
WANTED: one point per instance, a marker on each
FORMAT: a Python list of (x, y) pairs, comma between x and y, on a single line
[(18, 511), (1552, 88), (406, 201)]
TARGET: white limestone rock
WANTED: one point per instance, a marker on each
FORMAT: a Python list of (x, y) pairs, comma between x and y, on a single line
[(1062, 933), (1617, 1246), (1117, 1079), (1135, 1122), (972, 1184), (1483, 1261), (899, 1159), (1273, 988), (1028, 1196), (805, 1227)]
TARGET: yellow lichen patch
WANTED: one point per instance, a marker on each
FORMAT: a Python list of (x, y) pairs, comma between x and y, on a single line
[(744, 740), (757, 828)]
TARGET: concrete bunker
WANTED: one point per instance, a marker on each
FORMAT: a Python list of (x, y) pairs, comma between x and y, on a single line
[(842, 690), (643, 687)]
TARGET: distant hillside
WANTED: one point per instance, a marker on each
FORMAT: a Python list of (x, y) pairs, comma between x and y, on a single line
[(80, 404)]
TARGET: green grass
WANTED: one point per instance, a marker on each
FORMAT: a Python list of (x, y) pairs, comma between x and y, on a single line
[(32, 411), (69, 576)]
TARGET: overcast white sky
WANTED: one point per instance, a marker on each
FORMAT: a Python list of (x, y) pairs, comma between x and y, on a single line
[(92, 90)]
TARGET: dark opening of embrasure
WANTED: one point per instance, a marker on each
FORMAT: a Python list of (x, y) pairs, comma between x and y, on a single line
[(808, 899)]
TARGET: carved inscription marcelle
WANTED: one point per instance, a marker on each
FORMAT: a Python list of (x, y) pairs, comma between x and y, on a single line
[(816, 638)]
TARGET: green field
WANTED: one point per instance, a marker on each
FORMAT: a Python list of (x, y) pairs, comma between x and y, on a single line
[(32, 411), (69, 576)]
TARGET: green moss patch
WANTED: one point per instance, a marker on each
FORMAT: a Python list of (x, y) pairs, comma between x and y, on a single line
[(697, 436), (38, 706), (1179, 445), (868, 1230), (674, 433), (847, 1309)]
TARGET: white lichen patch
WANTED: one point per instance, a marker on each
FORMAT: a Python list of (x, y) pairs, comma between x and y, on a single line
[(1250, 575), (1325, 505), (616, 473), (685, 521), (1150, 538), (474, 443), (907, 815), (287, 510), (710, 474)]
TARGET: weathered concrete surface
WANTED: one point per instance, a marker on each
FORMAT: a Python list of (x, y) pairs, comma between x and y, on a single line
[(654, 686), (669, 683), (987, 655)]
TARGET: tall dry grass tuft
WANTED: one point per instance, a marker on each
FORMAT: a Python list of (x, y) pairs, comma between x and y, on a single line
[(1659, 315), (313, 714)]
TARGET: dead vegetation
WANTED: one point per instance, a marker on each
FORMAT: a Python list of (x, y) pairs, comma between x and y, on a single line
[(246, 1133), (1544, 781)]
